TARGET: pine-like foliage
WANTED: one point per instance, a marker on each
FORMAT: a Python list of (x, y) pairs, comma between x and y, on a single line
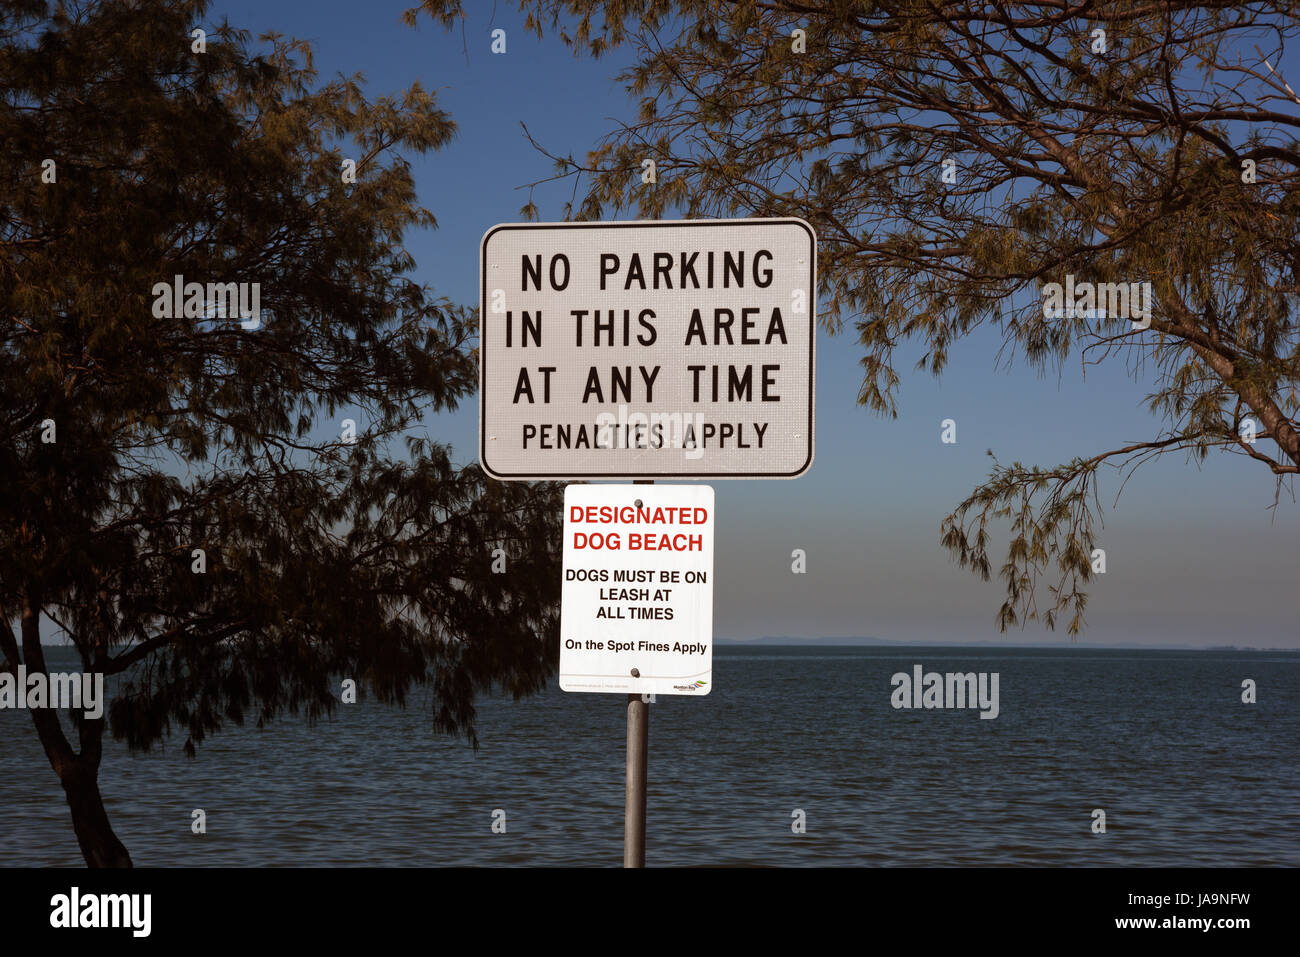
[(957, 157), (322, 558)]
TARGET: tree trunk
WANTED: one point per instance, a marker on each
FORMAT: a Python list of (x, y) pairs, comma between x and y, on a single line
[(99, 845), (78, 773)]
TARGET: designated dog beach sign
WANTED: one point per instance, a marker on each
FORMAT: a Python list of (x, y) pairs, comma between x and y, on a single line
[(636, 613), (647, 349)]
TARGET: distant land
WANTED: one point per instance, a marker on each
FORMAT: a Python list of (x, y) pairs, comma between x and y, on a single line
[(868, 641), (855, 642)]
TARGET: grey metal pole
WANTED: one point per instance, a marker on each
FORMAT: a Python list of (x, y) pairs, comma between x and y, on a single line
[(638, 746), (638, 739)]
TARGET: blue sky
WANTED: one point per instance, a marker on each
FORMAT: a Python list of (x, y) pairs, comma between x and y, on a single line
[(1194, 555)]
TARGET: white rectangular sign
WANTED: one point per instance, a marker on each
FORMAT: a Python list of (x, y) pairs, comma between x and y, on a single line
[(647, 349), (636, 614)]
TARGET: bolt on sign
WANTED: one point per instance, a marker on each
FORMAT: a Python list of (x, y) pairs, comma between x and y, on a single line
[(647, 349), (636, 610)]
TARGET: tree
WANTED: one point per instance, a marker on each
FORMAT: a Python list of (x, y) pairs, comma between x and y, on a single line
[(957, 160), (178, 496)]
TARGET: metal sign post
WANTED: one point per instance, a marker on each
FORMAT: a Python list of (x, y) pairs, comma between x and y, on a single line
[(638, 745), (638, 758)]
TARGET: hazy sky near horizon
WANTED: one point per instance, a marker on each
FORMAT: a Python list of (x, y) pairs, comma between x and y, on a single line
[(1194, 555)]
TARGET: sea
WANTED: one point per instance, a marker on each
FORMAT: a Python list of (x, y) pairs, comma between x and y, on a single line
[(796, 758)]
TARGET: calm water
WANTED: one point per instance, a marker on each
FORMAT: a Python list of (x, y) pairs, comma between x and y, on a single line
[(1187, 774)]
